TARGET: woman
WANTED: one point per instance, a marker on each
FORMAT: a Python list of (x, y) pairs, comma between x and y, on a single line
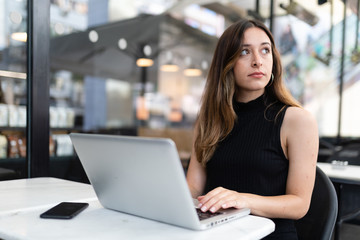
[(254, 145)]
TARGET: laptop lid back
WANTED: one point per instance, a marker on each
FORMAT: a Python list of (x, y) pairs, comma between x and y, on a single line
[(139, 176)]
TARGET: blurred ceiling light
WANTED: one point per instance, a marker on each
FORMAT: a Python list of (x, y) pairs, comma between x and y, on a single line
[(122, 43), (19, 36), (15, 17), (192, 72), (204, 65), (11, 74), (93, 36), (300, 12), (144, 62), (187, 61), (147, 50), (169, 67), (59, 28)]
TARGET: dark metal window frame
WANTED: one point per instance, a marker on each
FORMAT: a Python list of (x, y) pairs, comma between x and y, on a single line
[(37, 127)]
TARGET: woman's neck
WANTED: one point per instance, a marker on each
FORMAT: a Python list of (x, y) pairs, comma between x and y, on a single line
[(248, 96)]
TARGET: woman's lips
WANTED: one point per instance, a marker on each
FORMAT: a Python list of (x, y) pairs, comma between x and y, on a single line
[(257, 74)]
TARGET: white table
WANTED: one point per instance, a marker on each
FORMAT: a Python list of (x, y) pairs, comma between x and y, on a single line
[(341, 173), (22, 201)]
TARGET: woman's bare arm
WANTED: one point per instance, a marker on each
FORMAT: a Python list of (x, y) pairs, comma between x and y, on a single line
[(196, 175)]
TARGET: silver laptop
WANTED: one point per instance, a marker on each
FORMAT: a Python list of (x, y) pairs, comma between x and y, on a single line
[(143, 177)]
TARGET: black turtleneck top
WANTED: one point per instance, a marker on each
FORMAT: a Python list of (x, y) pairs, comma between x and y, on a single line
[(251, 160)]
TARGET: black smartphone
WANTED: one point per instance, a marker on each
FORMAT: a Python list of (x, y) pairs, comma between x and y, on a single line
[(64, 210)]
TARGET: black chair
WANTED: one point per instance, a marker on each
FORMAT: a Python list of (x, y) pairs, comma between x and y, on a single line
[(319, 222), (7, 174)]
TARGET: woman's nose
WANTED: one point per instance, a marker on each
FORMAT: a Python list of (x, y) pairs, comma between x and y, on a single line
[(256, 61)]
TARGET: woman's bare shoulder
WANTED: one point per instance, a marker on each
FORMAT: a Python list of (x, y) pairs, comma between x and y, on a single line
[(300, 135), (299, 122), (299, 116)]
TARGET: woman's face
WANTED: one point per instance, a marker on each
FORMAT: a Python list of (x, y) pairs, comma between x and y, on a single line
[(253, 68)]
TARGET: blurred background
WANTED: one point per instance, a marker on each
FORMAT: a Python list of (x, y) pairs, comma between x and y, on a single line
[(136, 67)]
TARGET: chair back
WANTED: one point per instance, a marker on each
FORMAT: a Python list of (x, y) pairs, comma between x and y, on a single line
[(319, 222)]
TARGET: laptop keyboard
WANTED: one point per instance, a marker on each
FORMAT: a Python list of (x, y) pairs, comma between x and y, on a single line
[(205, 215)]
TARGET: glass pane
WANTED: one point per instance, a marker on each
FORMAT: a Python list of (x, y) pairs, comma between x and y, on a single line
[(350, 115), (121, 67), (117, 71), (311, 62), (13, 27)]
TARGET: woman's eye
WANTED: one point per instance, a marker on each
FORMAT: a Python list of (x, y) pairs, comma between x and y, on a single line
[(265, 50), (244, 52)]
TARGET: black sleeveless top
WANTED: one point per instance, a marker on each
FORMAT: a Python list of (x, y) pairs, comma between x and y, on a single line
[(251, 160)]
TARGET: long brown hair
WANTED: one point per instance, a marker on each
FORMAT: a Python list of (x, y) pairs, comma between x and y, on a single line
[(216, 116)]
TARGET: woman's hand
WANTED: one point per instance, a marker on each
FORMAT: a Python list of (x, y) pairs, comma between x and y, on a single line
[(221, 198)]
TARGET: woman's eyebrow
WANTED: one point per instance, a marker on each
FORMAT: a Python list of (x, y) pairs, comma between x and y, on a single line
[(248, 44)]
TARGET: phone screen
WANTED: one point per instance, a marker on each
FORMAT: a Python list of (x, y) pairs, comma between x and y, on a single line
[(64, 210)]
